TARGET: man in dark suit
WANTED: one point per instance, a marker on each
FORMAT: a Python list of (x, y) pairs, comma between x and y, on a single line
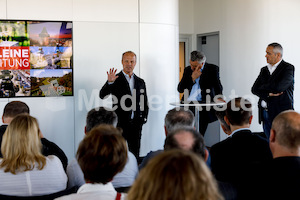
[(201, 83), (129, 100), (280, 178), (233, 157), (274, 86)]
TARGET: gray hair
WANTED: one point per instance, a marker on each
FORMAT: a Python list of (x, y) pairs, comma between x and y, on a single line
[(179, 117), (198, 146), (277, 48), (198, 56)]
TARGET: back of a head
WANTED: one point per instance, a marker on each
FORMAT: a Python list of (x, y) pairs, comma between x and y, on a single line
[(198, 56), (100, 115), (193, 142), (178, 117), (102, 154), (239, 111), (220, 115), (287, 128), (175, 175), (21, 145), (14, 108)]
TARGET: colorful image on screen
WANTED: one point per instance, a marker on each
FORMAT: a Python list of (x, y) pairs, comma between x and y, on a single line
[(36, 58)]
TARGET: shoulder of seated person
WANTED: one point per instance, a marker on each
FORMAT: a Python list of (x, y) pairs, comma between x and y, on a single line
[(52, 158)]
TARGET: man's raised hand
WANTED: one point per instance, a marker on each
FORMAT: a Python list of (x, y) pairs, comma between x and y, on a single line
[(111, 75)]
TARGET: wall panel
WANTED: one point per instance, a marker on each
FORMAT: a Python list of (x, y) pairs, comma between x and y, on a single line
[(160, 70), (40, 10), (158, 11), (106, 11), (3, 9)]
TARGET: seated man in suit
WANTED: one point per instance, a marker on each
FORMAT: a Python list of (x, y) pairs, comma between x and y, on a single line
[(14, 108), (175, 118), (220, 115), (124, 179), (187, 138), (231, 157), (280, 178)]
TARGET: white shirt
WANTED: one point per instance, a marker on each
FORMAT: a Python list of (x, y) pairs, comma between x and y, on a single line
[(125, 178), (130, 81), (95, 191), (52, 178), (271, 70)]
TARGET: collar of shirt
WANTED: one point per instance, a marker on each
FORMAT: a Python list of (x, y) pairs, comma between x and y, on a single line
[(202, 67), (272, 68), (127, 76), (129, 80), (96, 187), (240, 129)]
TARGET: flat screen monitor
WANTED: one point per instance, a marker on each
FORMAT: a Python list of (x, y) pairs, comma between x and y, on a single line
[(36, 58)]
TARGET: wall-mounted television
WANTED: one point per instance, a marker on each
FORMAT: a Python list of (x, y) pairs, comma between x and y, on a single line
[(36, 58)]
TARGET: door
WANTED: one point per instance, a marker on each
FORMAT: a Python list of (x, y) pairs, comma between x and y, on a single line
[(181, 61), (209, 44)]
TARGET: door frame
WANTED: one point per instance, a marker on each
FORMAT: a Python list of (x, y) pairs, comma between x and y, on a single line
[(187, 39)]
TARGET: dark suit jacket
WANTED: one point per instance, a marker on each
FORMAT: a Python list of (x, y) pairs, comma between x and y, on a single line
[(281, 80), (120, 88), (209, 80), (276, 179), (210, 86), (231, 157), (2, 130)]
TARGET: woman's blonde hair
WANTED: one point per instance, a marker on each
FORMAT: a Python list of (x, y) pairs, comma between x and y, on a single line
[(21, 145), (177, 175)]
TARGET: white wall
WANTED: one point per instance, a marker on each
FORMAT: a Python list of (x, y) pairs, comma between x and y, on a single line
[(102, 31), (246, 28)]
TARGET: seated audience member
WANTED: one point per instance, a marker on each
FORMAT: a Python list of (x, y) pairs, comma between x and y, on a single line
[(175, 118), (101, 155), (10, 111), (280, 178), (24, 171), (177, 175), (124, 179), (14, 108), (187, 138), (232, 158)]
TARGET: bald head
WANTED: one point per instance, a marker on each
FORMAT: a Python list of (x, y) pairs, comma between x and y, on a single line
[(178, 117), (186, 138), (286, 130)]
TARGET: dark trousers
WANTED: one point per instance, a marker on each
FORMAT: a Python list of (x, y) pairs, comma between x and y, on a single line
[(205, 117), (267, 123), (132, 133)]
